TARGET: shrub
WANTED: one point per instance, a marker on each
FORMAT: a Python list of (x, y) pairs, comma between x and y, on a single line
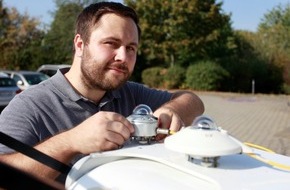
[(174, 77), (154, 77), (205, 75)]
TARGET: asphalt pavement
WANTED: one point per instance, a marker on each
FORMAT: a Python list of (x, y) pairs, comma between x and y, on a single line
[(263, 120)]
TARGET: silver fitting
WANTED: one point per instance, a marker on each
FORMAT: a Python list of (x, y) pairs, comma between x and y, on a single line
[(162, 131)]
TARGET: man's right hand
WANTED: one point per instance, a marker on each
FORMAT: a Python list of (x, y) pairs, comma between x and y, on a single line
[(100, 132)]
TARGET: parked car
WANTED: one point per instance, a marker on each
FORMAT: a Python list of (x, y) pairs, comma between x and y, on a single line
[(8, 89), (51, 69), (25, 79)]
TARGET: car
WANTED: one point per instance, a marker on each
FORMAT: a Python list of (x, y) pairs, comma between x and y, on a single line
[(8, 89), (50, 69), (24, 79)]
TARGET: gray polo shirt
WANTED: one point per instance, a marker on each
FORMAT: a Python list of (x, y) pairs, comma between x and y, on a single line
[(53, 106)]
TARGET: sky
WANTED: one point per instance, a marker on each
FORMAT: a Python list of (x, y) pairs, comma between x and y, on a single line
[(246, 14)]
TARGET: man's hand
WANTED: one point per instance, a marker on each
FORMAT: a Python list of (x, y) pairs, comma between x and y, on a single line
[(167, 119), (102, 131), (180, 111)]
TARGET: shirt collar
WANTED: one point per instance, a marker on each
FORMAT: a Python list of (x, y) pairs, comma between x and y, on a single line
[(61, 83)]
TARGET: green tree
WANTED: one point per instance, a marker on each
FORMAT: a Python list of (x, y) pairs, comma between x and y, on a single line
[(247, 65), (180, 32), (58, 42), (273, 38), (19, 39), (57, 46)]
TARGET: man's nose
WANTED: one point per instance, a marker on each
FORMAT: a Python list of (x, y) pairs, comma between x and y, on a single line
[(121, 54)]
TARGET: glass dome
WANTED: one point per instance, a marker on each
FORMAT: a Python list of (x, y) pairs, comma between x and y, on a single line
[(142, 109), (204, 123)]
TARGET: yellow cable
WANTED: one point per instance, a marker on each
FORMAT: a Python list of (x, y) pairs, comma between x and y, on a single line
[(171, 132), (258, 147), (269, 162)]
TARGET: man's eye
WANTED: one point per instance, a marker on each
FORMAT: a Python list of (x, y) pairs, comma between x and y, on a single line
[(132, 49), (109, 43)]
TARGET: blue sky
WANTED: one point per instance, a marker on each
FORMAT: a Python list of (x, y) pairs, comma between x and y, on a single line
[(246, 14)]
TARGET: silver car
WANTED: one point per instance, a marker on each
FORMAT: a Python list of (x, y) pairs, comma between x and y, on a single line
[(25, 79), (50, 70), (8, 89)]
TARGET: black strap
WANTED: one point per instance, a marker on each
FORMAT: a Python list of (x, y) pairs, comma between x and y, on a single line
[(34, 153)]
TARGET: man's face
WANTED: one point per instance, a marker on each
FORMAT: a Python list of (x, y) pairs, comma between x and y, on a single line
[(109, 58)]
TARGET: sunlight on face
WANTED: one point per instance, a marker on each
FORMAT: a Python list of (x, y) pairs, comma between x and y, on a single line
[(109, 58), (97, 74)]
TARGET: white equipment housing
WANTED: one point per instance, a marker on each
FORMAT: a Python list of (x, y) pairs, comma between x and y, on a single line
[(201, 156)]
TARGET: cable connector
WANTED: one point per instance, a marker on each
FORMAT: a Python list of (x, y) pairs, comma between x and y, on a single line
[(164, 131)]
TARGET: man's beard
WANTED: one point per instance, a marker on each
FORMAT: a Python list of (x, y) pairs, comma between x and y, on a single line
[(93, 73)]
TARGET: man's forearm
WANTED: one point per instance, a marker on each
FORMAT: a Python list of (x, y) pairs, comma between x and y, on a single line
[(187, 105), (54, 147), (29, 165)]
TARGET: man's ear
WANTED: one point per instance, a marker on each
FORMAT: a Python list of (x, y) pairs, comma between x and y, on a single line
[(78, 45)]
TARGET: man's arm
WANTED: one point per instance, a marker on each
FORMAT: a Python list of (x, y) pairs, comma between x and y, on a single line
[(180, 111), (100, 132), (55, 147)]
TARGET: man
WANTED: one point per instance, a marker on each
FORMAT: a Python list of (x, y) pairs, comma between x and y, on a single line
[(83, 110)]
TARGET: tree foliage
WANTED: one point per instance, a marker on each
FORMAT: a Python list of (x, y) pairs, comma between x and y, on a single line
[(176, 35), (154, 77), (273, 39), (58, 42), (19, 39), (174, 77), (206, 75), (180, 32)]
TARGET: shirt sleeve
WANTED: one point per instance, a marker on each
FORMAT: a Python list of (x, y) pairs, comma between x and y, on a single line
[(16, 121), (154, 98)]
